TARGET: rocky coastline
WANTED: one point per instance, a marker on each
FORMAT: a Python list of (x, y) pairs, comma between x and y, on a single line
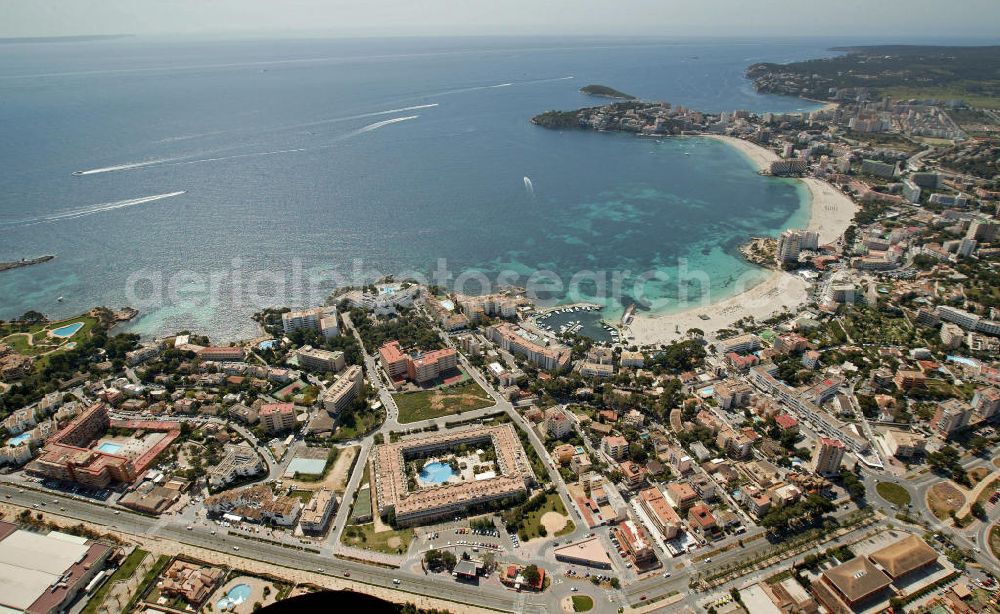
[(16, 264)]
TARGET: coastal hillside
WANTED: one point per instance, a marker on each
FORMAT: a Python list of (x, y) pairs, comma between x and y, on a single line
[(603, 91), (971, 74)]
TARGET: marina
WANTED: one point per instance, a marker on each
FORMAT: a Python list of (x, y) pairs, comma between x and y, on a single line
[(579, 319)]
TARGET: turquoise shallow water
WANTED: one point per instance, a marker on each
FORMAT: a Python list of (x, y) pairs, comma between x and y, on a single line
[(436, 473), (219, 176)]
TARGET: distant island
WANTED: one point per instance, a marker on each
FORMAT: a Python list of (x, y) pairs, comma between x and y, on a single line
[(16, 264), (901, 72), (603, 91), (86, 38)]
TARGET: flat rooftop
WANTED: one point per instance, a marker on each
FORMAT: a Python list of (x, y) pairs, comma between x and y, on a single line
[(30, 563), (587, 550)]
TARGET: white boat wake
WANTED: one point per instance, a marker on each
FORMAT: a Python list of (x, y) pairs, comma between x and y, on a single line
[(365, 115), (123, 167), (73, 214), (260, 154), (386, 122), (477, 88), (529, 187), (182, 162)]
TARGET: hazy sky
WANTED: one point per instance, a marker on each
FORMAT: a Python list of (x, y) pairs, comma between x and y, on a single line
[(879, 18)]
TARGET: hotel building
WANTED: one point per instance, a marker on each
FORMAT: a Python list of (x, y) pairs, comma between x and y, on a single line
[(317, 319), (663, 516), (635, 542), (409, 507), (221, 354), (343, 391), (316, 359), (417, 367), (518, 341), (317, 512), (828, 456), (277, 417), (67, 456)]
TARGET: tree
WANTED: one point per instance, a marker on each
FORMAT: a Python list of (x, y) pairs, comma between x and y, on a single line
[(33, 317), (489, 561), (978, 510), (531, 574), (615, 583)]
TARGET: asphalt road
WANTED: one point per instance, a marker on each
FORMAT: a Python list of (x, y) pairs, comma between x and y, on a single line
[(439, 587)]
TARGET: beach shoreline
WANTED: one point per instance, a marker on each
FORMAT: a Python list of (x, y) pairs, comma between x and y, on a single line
[(830, 213)]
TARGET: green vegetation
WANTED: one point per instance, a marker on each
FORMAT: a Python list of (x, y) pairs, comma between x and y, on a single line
[(411, 329), (436, 560), (526, 518), (971, 74), (794, 516), (878, 326), (147, 580), (360, 418), (124, 572), (63, 364), (582, 603), (605, 92), (444, 401), (947, 461), (389, 542), (557, 120), (678, 357), (302, 495), (893, 493)]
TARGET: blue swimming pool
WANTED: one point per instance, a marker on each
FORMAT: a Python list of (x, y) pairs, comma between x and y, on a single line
[(266, 345), (436, 473), (234, 596), (16, 441), (64, 332), (110, 448)]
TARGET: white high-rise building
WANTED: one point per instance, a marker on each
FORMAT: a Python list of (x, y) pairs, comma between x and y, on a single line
[(791, 242), (828, 456)]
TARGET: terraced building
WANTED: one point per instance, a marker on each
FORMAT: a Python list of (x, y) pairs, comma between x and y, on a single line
[(408, 506)]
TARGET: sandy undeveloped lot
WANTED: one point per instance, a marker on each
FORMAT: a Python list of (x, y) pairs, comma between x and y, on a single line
[(553, 522), (336, 478), (943, 498)]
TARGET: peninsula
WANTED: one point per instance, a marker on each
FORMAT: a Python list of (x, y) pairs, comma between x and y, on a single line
[(896, 71), (770, 292), (603, 91), (16, 264)]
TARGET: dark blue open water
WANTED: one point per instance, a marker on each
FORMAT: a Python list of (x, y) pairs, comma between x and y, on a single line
[(311, 153)]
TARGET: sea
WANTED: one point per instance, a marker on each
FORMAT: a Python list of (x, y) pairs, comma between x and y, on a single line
[(200, 180)]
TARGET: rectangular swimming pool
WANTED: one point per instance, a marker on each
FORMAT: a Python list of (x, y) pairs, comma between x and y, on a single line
[(109, 448), (64, 332)]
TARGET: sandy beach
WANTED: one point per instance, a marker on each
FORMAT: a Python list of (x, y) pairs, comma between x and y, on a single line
[(831, 213)]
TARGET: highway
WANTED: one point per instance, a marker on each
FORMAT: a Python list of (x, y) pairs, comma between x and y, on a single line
[(440, 587)]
